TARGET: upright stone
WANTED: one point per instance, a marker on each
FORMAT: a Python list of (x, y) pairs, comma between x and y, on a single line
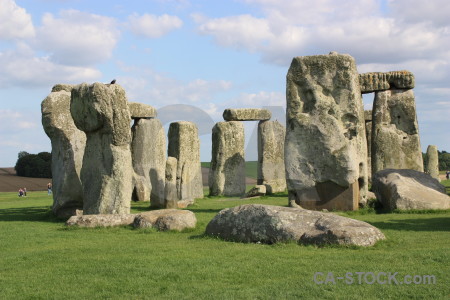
[(368, 122), (148, 148), (271, 172), (101, 111), (395, 132), (184, 145), (68, 144), (325, 148), (227, 169), (432, 166), (170, 189)]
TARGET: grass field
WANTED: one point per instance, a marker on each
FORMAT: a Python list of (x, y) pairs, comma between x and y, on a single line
[(250, 168), (42, 259)]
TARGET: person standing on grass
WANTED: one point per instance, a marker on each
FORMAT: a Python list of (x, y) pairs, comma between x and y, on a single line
[(447, 175), (24, 192), (49, 188)]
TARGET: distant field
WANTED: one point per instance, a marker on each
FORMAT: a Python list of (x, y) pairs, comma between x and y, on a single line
[(9, 182)]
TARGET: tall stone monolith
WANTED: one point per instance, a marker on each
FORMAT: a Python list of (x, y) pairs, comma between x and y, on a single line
[(148, 149), (184, 145), (227, 169), (68, 144), (170, 189), (395, 132), (271, 172), (325, 148), (368, 124), (432, 166), (101, 111)]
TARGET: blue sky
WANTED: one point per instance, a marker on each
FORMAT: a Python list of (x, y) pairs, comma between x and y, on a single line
[(211, 55)]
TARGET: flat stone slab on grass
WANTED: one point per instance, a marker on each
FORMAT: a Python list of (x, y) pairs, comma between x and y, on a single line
[(246, 114), (269, 224), (163, 219)]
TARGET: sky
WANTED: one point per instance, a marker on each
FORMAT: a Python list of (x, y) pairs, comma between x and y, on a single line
[(191, 59)]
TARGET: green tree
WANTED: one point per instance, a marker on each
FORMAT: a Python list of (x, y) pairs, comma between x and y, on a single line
[(34, 165)]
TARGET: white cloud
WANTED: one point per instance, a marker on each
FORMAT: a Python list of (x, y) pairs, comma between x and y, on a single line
[(15, 22), (77, 38), (152, 26), (430, 11)]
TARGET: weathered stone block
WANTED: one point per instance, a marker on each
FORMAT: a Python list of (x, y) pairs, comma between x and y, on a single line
[(325, 148), (378, 81), (246, 114), (68, 143), (141, 110), (170, 191), (368, 123), (395, 132), (227, 170), (432, 166)]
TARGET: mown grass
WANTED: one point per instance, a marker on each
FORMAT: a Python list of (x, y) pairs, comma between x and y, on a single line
[(250, 168), (42, 259)]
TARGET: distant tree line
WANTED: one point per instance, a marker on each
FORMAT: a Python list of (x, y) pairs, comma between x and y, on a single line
[(34, 165), (444, 160)]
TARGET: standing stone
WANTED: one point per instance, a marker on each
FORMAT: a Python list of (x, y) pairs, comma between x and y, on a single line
[(68, 144), (227, 170), (101, 111), (395, 132), (170, 189), (148, 150), (325, 148), (184, 145), (432, 166), (368, 122), (271, 172)]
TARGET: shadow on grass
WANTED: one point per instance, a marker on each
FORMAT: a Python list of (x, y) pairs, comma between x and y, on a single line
[(39, 213), (431, 224)]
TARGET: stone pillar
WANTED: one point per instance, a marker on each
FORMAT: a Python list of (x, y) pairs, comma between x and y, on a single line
[(184, 145), (368, 123), (395, 132), (432, 166), (325, 148), (68, 144), (101, 111), (271, 172), (227, 170), (170, 189), (148, 149)]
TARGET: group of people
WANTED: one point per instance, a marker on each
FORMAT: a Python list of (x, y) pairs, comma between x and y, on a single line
[(23, 192), (447, 174)]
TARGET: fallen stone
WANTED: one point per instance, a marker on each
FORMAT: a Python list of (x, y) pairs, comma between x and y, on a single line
[(227, 169), (141, 110), (432, 166), (68, 143), (379, 81), (101, 111), (253, 223), (270, 168), (246, 114), (166, 219), (409, 189), (257, 190), (325, 147), (102, 220)]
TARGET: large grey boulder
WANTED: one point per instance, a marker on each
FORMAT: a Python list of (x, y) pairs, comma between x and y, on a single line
[(325, 147), (227, 169), (270, 167), (148, 150), (395, 132), (68, 144), (184, 145), (380, 81), (269, 224), (141, 110), (246, 114), (100, 220), (409, 189), (101, 111), (432, 166)]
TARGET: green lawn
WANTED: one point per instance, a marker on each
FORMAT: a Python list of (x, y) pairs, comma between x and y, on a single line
[(42, 259), (250, 168)]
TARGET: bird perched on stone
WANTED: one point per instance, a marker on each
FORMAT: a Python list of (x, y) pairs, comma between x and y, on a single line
[(113, 81)]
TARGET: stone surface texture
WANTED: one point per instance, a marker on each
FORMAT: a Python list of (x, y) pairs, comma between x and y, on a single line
[(409, 189), (379, 81), (148, 150), (68, 143), (256, 191), (184, 145), (170, 191), (270, 167), (101, 111), (246, 114), (141, 110), (252, 223), (395, 132), (368, 122), (432, 166), (325, 146), (166, 219), (227, 169)]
